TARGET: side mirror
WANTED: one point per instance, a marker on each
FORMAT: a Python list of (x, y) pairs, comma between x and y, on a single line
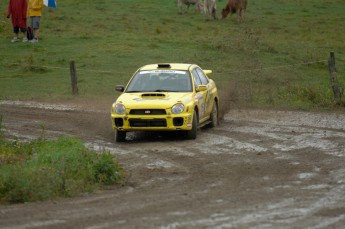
[(119, 88), (201, 88)]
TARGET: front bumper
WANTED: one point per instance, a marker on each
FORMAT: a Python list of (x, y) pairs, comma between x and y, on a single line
[(169, 122)]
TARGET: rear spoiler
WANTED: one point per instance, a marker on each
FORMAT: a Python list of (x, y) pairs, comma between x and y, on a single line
[(207, 72)]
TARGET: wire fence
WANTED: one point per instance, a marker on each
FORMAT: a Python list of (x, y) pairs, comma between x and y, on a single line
[(229, 72), (72, 70)]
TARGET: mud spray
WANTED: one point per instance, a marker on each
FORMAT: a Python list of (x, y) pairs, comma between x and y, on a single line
[(228, 98)]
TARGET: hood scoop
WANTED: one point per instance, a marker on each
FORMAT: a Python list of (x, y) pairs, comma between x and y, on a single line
[(153, 95)]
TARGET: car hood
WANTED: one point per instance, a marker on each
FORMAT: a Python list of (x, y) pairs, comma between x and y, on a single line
[(153, 99)]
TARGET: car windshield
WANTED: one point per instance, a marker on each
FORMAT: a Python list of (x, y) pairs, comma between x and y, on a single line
[(160, 81)]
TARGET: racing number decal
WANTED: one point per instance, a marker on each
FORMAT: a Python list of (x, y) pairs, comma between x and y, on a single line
[(202, 103), (207, 99)]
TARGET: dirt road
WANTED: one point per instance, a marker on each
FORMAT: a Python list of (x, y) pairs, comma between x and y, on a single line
[(259, 169)]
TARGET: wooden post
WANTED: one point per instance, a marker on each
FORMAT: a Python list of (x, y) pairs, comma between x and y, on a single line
[(73, 78), (333, 77)]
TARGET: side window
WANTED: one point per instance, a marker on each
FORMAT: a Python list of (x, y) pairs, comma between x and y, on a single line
[(202, 76), (197, 80)]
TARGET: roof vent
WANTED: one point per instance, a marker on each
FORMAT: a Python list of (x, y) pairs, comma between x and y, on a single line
[(164, 66)]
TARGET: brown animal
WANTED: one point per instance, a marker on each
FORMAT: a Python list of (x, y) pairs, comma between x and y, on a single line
[(235, 6), (197, 3)]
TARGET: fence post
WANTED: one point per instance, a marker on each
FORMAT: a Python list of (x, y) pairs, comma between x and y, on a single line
[(333, 77), (73, 78)]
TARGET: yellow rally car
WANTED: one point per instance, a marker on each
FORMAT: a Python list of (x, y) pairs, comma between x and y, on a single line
[(166, 97)]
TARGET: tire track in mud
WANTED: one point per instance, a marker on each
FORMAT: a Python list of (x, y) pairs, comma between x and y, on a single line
[(259, 169)]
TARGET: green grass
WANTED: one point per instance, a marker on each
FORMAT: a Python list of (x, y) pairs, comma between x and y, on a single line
[(264, 60), (50, 169)]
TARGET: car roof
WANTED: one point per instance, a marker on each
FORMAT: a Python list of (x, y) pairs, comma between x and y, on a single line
[(175, 66)]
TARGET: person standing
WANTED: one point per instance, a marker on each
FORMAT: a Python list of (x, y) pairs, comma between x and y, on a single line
[(17, 10), (35, 13)]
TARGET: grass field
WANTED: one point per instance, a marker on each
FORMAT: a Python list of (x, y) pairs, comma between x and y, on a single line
[(50, 169), (277, 57)]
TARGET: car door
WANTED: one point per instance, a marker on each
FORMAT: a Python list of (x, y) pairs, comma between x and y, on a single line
[(208, 95), (202, 96)]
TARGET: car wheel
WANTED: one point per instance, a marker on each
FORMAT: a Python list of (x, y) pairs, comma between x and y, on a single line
[(214, 116), (191, 134), (120, 136)]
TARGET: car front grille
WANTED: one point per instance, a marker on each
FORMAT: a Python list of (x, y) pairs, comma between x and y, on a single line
[(147, 112), (147, 122)]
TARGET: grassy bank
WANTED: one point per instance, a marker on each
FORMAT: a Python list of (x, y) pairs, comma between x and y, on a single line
[(51, 169), (277, 57)]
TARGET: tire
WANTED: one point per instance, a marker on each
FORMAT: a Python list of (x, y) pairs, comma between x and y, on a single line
[(214, 116), (191, 134), (120, 136)]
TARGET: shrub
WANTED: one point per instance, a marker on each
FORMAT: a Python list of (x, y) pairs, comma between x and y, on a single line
[(50, 169)]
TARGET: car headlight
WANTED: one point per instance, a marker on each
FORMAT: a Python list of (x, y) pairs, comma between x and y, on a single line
[(177, 108), (119, 108)]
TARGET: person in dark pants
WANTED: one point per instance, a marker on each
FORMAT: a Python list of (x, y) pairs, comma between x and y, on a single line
[(17, 9)]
